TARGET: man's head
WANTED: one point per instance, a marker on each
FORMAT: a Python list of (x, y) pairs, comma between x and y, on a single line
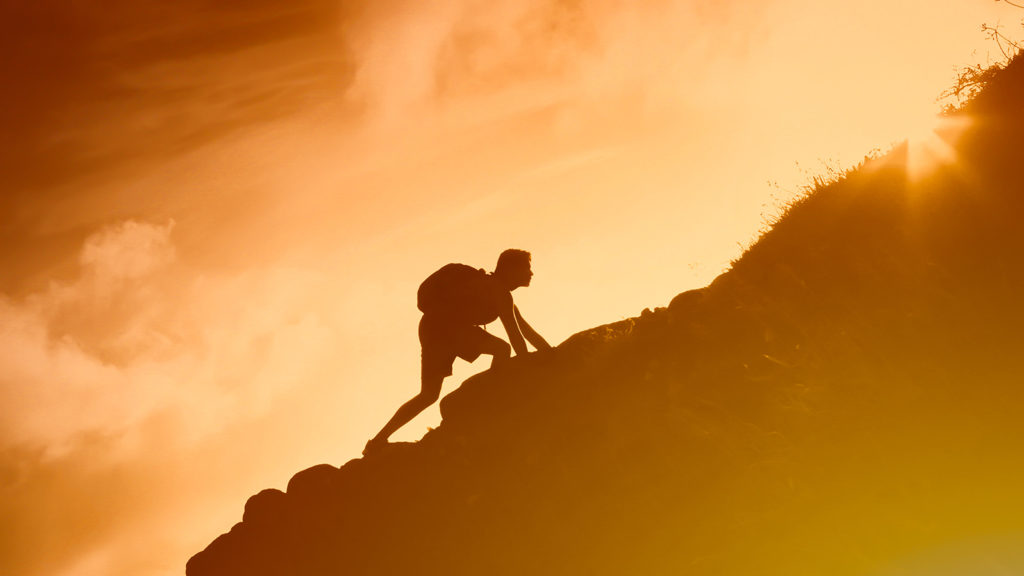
[(513, 268)]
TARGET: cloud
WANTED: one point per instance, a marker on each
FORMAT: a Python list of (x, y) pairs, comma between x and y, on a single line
[(127, 251), (137, 336), (132, 393), (412, 53), (413, 57)]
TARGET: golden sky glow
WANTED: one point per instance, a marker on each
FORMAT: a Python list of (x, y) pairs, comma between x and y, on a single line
[(214, 220)]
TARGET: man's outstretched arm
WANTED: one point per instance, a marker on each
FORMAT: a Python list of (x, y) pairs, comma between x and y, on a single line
[(515, 336), (531, 335)]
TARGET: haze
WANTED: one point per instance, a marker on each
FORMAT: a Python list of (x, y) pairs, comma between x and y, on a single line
[(214, 219)]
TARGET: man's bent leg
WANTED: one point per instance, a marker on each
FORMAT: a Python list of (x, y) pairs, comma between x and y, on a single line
[(496, 347)]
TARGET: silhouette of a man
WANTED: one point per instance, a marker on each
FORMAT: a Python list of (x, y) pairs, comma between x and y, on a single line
[(445, 337)]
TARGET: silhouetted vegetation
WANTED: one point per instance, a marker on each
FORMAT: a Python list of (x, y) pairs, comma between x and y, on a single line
[(970, 80)]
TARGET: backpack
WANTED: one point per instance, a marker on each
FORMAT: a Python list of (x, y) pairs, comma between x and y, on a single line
[(461, 293)]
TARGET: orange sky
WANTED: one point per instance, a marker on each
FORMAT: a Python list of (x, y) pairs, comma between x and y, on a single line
[(214, 220)]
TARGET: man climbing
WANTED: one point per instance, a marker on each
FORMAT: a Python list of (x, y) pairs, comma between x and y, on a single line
[(456, 301)]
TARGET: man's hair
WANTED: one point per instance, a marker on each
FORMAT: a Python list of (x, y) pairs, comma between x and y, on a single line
[(512, 258)]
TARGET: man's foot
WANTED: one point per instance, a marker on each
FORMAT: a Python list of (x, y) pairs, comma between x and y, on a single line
[(374, 445)]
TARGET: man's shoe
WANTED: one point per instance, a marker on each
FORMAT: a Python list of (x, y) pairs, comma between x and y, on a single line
[(373, 446)]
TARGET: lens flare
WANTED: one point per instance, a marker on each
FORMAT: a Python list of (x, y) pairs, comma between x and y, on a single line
[(931, 145)]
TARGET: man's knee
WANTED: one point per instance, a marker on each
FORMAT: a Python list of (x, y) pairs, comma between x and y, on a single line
[(430, 391), (421, 402), (502, 349), (427, 398)]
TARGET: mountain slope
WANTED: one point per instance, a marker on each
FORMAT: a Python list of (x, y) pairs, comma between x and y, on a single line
[(845, 400)]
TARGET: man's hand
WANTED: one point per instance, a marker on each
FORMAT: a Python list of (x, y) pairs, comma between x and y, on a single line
[(531, 335)]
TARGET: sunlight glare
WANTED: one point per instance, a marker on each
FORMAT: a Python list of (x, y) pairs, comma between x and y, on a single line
[(931, 145)]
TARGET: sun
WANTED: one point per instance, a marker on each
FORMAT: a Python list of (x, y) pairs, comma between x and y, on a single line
[(931, 144)]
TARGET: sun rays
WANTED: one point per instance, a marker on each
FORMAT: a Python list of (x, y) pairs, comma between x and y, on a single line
[(931, 145)]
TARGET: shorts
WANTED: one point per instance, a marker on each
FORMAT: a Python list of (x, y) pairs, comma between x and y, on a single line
[(443, 341)]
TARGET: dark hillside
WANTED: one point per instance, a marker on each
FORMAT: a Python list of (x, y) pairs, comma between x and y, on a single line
[(845, 400)]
